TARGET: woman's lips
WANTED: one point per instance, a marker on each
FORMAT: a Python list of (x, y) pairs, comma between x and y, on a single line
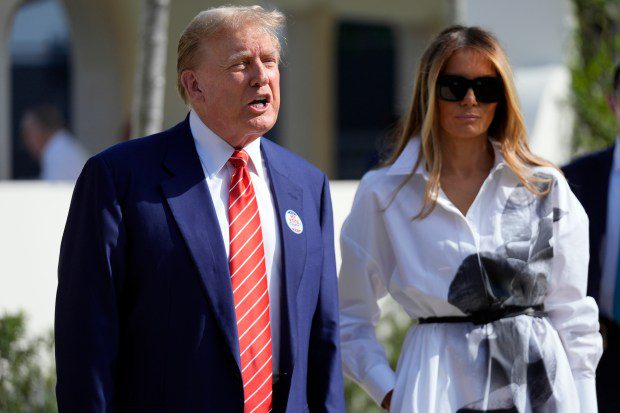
[(468, 118)]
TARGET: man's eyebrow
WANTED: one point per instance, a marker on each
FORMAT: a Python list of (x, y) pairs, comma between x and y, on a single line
[(239, 56), (244, 54)]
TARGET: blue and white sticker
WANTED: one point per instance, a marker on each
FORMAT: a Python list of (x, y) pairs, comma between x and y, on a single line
[(294, 222)]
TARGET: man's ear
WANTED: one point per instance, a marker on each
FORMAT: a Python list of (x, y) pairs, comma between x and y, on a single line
[(191, 85)]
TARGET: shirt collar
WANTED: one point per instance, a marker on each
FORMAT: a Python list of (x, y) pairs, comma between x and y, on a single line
[(214, 152), (256, 157), (616, 161), (408, 157)]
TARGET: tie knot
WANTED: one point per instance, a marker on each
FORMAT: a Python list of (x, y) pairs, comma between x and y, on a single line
[(239, 158)]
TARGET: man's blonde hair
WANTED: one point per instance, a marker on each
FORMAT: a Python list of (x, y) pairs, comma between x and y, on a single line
[(209, 23)]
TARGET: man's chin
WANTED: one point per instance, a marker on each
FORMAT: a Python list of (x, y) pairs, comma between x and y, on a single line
[(261, 125), (250, 135)]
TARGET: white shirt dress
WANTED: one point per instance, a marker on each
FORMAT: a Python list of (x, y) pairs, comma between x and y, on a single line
[(513, 248)]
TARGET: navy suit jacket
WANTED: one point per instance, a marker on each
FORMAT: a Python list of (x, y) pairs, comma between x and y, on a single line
[(145, 319), (588, 177)]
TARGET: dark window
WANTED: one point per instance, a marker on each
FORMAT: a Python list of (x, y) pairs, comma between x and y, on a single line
[(40, 71), (366, 95)]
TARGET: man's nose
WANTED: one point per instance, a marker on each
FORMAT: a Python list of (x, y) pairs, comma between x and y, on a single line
[(260, 75)]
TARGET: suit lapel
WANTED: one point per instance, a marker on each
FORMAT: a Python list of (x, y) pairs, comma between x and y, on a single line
[(189, 199), (288, 196)]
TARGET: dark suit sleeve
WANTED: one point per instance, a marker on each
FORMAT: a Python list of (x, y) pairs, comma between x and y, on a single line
[(572, 173), (90, 273), (325, 385)]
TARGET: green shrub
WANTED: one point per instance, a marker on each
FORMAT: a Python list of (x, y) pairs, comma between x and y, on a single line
[(391, 332), (27, 373), (597, 41)]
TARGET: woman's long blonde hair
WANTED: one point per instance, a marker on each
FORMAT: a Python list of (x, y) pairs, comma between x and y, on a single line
[(508, 126)]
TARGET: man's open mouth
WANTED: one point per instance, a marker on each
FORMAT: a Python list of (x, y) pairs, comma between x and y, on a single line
[(259, 103)]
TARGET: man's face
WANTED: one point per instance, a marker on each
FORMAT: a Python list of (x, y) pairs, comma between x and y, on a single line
[(238, 84), (33, 135)]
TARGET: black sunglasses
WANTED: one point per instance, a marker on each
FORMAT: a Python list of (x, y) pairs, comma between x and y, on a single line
[(487, 89)]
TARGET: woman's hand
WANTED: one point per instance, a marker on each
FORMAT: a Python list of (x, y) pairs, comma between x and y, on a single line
[(387, 400)]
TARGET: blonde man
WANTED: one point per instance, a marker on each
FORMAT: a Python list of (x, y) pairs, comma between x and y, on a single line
[(197, 270)]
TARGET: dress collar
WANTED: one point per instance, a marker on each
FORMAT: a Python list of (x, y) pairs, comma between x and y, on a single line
[(407, 159)]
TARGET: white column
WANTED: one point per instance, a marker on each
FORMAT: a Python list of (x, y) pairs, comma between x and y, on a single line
[(307, 119), (457, 11), (96, 76), (7, 12), (411, 41)]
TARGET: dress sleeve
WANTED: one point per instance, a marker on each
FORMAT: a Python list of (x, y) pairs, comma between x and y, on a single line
[(362, 283), (572, 313)]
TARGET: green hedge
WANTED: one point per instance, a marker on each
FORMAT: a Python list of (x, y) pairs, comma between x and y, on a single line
[(597, 42), (391, 332), (27, 373)]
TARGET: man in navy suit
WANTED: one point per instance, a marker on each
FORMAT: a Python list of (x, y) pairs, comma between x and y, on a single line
[(595, 180), (197, 268)]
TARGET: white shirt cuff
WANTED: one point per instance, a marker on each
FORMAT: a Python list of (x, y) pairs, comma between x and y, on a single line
[(586, 389), (379, 381)]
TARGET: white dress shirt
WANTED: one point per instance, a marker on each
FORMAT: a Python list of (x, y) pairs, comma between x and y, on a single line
[(612, 238), (512, 248), (63, 158), (214, 154)]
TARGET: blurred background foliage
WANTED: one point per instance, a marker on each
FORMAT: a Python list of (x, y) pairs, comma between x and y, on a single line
[(597, 43), (27, 373), (391, 332)]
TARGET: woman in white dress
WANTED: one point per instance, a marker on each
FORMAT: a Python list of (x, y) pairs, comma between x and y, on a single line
[(479, 240)]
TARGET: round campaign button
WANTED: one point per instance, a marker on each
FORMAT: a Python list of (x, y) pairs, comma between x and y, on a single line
[(294, 222)]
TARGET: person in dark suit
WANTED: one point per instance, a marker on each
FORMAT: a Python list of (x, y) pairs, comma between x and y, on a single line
[(595, 180), (197, 268)]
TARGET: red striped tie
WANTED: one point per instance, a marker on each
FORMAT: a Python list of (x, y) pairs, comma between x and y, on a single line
[(249, 284)]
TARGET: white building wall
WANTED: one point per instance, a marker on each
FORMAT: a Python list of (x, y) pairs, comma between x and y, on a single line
[(537, 37), (533, 32), (32, 219)]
